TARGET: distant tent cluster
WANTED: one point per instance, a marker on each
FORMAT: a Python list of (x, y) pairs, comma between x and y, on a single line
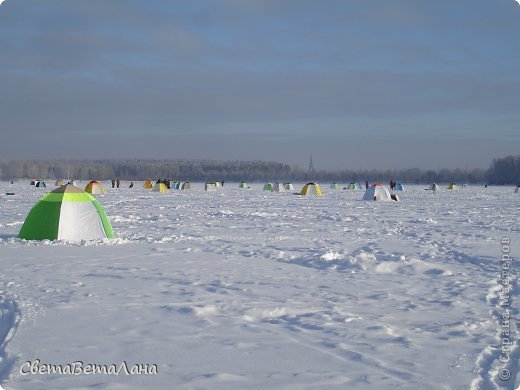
[(452, 186), (276, 187), (159, 187), (212, 185), (374, 192), (38, 183), (162, 186)]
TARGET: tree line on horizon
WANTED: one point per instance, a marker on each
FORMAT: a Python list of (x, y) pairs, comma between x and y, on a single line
[(504, 170)]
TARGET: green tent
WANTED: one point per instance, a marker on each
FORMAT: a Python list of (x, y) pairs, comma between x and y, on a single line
[(243, 185), (335, 186), (353, 186), (67, 213), (268, 187)]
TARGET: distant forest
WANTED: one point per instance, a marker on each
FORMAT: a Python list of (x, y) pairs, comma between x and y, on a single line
[(501, 171)]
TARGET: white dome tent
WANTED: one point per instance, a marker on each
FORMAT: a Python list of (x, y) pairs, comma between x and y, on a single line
[(278, 187), (377, 192)]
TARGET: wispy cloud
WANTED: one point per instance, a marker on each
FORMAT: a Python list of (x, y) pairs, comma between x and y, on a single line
[(292, 68)]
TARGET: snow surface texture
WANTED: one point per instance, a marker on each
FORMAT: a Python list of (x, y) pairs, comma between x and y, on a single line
[(248, 289)]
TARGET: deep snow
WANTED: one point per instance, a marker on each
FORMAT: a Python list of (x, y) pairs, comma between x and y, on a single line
[(252, 289)]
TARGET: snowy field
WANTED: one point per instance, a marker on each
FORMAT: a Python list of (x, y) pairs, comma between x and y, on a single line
[(245, 289)]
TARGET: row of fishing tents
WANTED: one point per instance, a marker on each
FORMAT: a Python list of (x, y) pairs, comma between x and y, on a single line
[(376, 192), (95, 187), (162, 187), (279, 187), (276, 187)]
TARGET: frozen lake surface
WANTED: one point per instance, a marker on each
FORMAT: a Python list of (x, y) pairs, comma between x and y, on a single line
[(247, 289)]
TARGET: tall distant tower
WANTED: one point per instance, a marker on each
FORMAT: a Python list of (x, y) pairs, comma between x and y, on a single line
[(311, 165)]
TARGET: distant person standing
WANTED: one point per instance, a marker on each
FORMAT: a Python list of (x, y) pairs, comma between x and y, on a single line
[(366, 184), (118, 182), (131, 184), (113, 183), (222, 182)]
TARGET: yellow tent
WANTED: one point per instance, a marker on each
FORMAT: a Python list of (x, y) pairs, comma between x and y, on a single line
[(148, 184), (453, 186), (94, 187), (311, 189)]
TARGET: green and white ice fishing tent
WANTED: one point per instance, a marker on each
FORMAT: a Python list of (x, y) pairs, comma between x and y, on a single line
[(67, 213), (268, 187)]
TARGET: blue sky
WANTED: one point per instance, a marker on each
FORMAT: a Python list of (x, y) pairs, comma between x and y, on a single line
[(356, 84)]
